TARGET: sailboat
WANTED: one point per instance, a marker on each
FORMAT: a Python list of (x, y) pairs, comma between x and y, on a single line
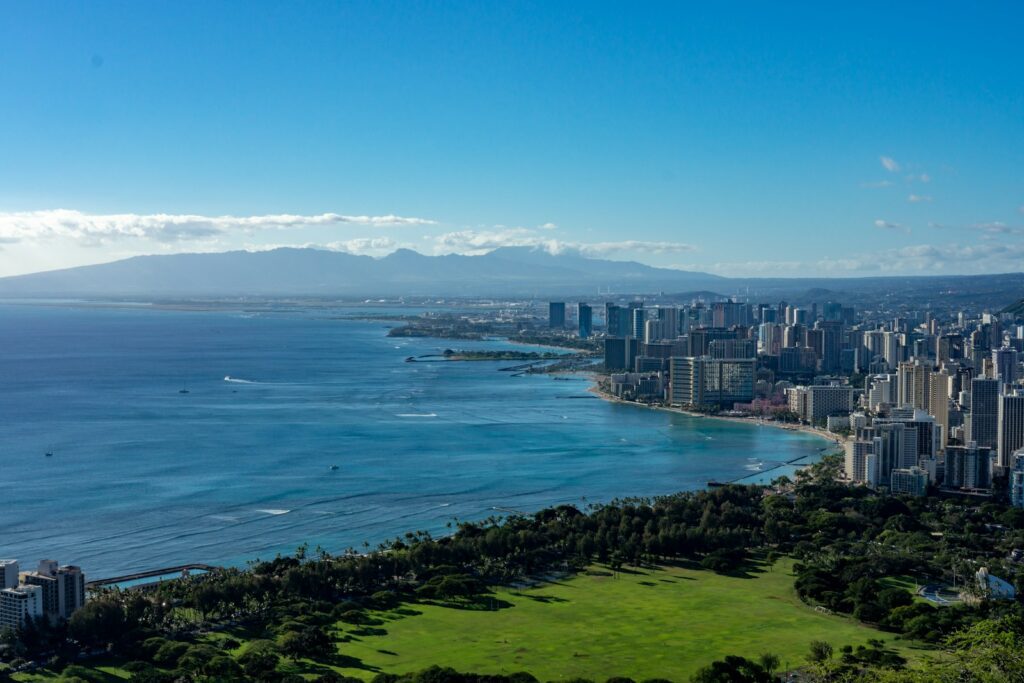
[(184, 388)]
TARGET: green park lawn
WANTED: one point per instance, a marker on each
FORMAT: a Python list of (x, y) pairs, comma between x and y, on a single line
[(663, 623), (649, 623)]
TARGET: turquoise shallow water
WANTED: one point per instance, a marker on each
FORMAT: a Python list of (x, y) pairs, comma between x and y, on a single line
[(143, 476)]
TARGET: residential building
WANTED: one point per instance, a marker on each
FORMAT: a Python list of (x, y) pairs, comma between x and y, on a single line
[(911, 481), (18, 605), (1016, 479), (63, 587), (968, 467), (8, 574)]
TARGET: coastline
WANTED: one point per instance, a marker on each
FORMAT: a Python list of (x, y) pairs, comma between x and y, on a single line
[(806, 429)]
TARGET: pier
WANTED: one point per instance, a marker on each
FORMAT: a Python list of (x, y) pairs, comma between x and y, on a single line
[(151, 574)]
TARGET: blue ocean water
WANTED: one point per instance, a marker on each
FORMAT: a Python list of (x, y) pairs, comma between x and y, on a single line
[(143, 476)]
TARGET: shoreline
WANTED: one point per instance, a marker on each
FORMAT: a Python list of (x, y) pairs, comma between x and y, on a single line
[(752, 421)]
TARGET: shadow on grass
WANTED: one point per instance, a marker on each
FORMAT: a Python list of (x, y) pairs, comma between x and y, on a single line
[(341, 661), (542, 598), (633, 572), (369, 631)]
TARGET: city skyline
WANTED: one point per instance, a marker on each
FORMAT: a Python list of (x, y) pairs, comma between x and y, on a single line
[(769, 141)]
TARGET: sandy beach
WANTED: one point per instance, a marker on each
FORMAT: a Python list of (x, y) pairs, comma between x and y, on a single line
[(807, 429)]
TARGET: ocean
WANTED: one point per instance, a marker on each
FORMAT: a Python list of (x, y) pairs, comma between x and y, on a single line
[(144, 476)]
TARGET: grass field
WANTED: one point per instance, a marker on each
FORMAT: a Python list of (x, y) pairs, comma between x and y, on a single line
[(664, 623), (650, 623)]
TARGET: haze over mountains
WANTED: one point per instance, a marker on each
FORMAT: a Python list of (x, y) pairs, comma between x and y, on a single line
[(509, 271), (504, 272)]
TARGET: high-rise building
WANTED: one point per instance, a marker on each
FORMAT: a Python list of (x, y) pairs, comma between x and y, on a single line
[(614, 354), (1011, 427), (911, 481), (556, 315), (914, 384), (8, 573), (585, 317), (968, 467), (882, 392), (63, 588), (984, 421), (613, 320), (938, 405), (831, 344), (1004, 364), (949, 347), (668, 317), (704, 381), (18, 605), (893, 445), (861, 464), (816, 402), (732, 348), (639, 318), (1017, 479)]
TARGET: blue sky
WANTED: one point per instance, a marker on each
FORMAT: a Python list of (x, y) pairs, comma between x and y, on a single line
[(768, 139)]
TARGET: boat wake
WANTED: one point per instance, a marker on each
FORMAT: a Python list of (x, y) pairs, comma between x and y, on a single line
[(274, 511), (416, 415), (229, 378)]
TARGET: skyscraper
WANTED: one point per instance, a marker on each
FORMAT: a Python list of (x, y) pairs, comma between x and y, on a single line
[(1011, 427), (638, 323), (984, 422), (556, 315), (585, 316), (1004, 363)]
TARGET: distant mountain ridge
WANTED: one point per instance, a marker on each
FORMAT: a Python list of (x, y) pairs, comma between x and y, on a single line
[(506, 271)]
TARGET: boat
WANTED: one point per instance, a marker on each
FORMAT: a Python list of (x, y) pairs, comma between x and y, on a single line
[(334, 468), (49, 454)]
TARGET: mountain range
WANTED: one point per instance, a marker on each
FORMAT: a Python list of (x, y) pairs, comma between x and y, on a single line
[(509, 271), (504, 272)]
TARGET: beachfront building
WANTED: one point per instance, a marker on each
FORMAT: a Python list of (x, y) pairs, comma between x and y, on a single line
[(8, 574), (63, 587), (817, 402), (706, 382), (18, 605)]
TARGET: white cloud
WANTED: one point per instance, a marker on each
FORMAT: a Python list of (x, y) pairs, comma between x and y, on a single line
[(889, 164), (93, 229), (917, 198), (877, 184), (548, 226), (886, 225), (373, 246), (641, 246), (482, 241), (920, 259)]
